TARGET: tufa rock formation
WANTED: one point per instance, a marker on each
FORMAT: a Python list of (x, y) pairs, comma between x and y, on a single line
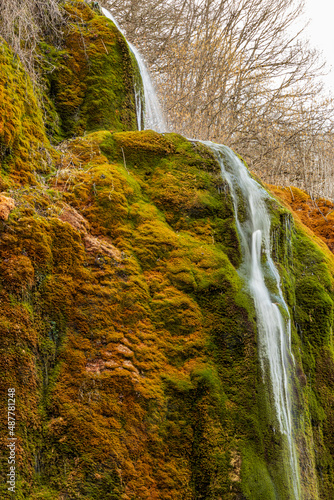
[(125, 328)]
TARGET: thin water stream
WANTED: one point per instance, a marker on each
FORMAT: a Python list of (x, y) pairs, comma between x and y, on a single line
[(274, 329), (153, 116)]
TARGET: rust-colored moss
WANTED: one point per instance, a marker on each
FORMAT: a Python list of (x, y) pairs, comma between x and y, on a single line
[(317, 214), (122, 306), (116, 295), (17, 273)]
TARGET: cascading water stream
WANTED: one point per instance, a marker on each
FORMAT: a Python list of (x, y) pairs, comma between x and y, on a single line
[(274, 333), (153, 116)]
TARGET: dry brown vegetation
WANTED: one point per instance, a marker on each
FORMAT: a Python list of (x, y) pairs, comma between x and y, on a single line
[(24, 22), (235, 71)]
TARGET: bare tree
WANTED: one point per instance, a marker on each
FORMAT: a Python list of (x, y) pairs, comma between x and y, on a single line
[(234, 71), (23, 23)]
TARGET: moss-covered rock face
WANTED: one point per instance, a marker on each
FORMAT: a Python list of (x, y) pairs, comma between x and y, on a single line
[(128, 320), (126, 330), (24, 148), (90, 78), (306, 266)]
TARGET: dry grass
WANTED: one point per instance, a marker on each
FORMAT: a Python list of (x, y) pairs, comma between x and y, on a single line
[(24, 22)]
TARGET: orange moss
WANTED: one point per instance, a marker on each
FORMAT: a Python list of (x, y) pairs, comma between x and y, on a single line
[(148, 141), (80, 10), (109, 334), (121, 303), (17, 273), (318, 215), (6, 206)]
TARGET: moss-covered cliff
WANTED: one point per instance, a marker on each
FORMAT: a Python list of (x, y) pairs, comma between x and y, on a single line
[(90, 78), (126, 330)]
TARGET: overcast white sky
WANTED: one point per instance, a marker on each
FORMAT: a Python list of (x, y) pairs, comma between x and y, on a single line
[(321, 31)]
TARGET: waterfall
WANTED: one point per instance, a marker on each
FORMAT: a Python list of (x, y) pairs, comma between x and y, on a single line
[(153, 116), (274, 332)]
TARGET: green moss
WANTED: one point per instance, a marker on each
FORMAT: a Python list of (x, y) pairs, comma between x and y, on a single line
[(92, 81), (256, 481), (122, 304), (24, 149), (148, 294), (306, 268), (314, 311)]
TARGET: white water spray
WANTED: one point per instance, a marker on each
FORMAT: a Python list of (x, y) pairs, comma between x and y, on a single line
[(153, 116), (274, 332)]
